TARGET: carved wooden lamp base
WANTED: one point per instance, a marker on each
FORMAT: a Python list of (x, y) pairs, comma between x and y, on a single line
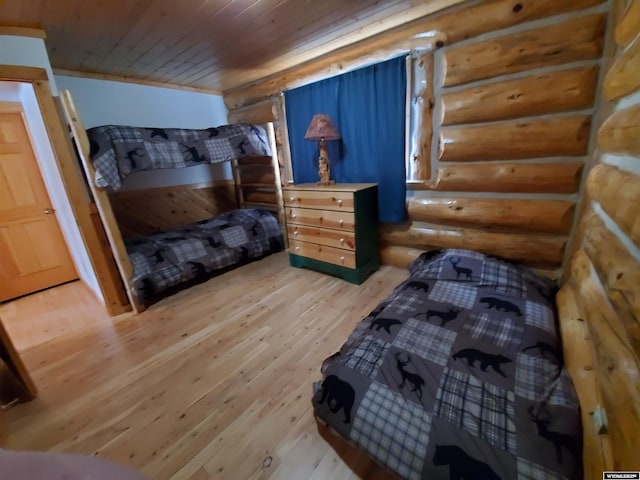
[(324, 168), (321, 128)]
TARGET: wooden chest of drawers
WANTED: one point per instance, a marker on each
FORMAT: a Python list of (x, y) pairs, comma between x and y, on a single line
[(333, 229)]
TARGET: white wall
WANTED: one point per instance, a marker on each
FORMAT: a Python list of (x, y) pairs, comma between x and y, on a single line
[(55, 187), (23, 93), (26, 52), (103, 102)]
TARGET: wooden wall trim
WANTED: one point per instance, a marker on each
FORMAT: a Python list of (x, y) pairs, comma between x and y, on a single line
[(22, 74), (23, 32), (136, 81), (124, 194), (147, 211), (538, 94), (455, 24)]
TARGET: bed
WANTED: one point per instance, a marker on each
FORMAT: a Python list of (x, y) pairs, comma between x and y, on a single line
[(195, 252), (194, 239), (457, 374), (117, 151)]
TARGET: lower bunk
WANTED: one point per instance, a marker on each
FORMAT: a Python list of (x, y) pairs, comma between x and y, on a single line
[(457, 374), (167, 261)]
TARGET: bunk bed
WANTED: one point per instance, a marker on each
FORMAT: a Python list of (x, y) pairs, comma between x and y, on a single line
[(158, 261)]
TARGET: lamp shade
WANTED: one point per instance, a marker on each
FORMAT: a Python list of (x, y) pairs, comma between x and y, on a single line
[(321, 127)]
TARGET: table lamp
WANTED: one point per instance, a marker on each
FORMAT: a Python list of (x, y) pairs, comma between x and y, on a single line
[(322, 128)]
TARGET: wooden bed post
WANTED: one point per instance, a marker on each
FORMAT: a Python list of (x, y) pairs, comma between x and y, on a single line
[(101, 199), (260, 176)]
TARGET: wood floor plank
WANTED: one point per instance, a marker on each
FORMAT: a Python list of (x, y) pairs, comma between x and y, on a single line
[(213, 382)]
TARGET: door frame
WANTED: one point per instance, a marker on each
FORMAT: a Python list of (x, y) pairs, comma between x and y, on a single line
[(82, 206), (45, 279)]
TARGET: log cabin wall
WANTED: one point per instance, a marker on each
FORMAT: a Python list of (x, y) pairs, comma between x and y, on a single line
[(504, 123), (599, 303), (504, 136)]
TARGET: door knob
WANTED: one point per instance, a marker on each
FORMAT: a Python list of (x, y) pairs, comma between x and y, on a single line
[(49, 211)]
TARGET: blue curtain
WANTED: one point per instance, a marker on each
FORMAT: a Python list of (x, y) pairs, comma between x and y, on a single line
[(367, 107)]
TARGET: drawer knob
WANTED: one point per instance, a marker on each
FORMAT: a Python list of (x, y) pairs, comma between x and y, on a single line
[(341, 222), (292, 199), (342, 240), (293, 216), (339, 201), (297, 248), (295, 232), (342, 259)]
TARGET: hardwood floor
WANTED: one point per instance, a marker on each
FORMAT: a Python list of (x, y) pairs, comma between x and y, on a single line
[(213, 382), (52, 313)]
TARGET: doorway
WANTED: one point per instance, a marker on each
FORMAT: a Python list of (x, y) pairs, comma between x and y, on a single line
[(33, 252)]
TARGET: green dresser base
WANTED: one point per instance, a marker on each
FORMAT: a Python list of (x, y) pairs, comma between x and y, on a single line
[(352, 275)]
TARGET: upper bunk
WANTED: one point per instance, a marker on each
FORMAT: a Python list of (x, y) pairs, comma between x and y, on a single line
[(116, 150)]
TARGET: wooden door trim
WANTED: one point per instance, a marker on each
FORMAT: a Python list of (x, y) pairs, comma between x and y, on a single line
[(12, 107), (99, 253), (16, 365)]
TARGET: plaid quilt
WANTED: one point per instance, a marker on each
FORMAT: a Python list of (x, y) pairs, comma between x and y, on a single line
[(458, 374), (116, 150), (199, 250)]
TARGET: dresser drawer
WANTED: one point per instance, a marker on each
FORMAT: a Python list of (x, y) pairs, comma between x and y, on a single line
[(321, 218), (321, 199), (336, 256), (323, 236)]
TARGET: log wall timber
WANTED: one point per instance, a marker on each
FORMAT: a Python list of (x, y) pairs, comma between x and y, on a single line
[(542, 250), (580, 358), (618, 193), (617, 364), (508, 177), (563, 136), (551, 216), (622, 78), (629, 26), (421, 161), (579, 39), (142, 212), (258, 114), (532, 95), (602, 284), (620, 133)]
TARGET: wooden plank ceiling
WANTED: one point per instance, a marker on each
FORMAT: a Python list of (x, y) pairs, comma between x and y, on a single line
[(205, 44)]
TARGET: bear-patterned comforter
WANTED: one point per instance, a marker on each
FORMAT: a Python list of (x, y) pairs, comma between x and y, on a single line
[(197, 251), (458, 375)]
